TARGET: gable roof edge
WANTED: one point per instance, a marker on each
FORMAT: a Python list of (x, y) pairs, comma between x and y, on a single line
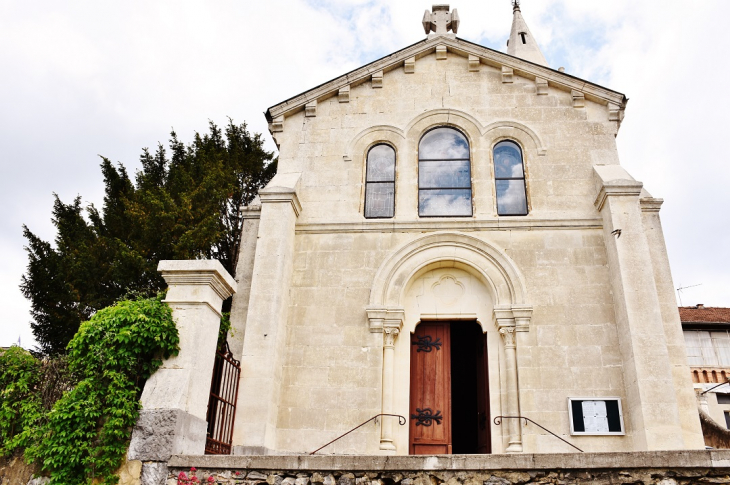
[(592, 91)]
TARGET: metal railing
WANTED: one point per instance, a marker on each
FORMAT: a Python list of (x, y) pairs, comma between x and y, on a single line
[(498, 421), (222, 402), (401, 421)]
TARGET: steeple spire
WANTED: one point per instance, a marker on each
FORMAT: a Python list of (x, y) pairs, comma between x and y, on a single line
[(521, 43)]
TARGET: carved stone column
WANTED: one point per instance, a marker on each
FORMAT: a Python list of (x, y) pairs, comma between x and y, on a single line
[(507, 328), (390, 322)]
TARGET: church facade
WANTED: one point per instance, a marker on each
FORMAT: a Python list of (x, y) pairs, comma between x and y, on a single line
[(451, 238)]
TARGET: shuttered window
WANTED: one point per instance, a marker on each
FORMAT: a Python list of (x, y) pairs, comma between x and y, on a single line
[(707, 349)]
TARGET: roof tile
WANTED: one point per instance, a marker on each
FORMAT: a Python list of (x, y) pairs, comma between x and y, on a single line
[(704, 314)]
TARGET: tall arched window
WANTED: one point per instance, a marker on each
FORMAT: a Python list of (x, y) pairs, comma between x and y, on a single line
[(380, 182), (444, 174), (509, 174)]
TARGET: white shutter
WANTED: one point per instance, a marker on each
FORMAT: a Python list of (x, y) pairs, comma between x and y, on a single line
[(721, 341), (692, 343), (709, 357)]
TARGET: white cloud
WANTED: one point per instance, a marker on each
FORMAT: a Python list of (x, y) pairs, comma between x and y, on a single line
[(83, 78)]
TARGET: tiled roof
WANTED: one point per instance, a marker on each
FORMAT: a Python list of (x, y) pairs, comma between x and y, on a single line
[(702, 314)]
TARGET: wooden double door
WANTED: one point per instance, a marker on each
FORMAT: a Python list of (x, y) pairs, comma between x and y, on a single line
[(449, 404)]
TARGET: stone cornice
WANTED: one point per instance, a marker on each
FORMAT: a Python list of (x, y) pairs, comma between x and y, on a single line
[(208, 272), (421, 225), (650, 204), (625, 188), (251, 212), (458, 46), (676, 459), (279, 195)]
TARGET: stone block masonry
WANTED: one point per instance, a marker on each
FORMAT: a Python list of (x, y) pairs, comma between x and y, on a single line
[(647, 468)]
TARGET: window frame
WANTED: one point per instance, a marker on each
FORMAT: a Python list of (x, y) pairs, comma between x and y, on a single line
[(523, 178), (367, 183), (418, 172), (596, 433)]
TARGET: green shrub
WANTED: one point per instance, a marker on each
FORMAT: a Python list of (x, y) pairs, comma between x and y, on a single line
[(86, 434), (21, 406)]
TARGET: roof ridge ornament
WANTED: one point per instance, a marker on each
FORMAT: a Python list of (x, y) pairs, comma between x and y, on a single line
[(439, 20), (515, 5)]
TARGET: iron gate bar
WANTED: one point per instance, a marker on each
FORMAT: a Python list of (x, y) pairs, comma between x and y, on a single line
[(222, 402), (498, 421), (401, 421)]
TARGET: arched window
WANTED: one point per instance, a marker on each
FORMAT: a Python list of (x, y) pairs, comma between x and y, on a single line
[(509, 174), (444, 174), (380, 182)]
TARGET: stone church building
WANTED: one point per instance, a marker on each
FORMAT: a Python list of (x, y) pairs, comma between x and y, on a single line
[(451, 238)]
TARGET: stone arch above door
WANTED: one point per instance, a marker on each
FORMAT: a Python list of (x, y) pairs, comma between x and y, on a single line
[(447, 249)]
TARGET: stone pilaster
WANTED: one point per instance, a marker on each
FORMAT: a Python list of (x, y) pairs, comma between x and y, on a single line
[(175, 398), (251, 215), (681, 375), (507, 329), (390, 322), (652, 404), (268, 311)]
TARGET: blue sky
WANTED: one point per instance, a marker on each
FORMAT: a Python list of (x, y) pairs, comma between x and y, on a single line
[(83, 78)]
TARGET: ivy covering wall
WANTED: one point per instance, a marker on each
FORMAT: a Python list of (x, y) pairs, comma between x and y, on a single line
[(85, 433)]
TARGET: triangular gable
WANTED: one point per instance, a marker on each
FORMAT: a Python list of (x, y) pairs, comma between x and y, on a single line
[(476, 53)]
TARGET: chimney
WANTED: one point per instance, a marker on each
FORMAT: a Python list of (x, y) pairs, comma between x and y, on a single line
[(700, 306)]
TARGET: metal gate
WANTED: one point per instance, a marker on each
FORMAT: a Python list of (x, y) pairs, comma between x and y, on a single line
[(222, 402)]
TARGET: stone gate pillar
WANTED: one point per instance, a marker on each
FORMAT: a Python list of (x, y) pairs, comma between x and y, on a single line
[(175, 397)]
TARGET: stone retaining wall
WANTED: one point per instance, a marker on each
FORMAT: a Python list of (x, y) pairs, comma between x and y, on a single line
[(661, 468)]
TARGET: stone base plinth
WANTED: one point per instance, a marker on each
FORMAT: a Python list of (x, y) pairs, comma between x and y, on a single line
[(665, 468), (161, 433)]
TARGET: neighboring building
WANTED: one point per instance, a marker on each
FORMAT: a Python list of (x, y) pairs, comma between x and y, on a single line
[(450, 237), (707, 335)]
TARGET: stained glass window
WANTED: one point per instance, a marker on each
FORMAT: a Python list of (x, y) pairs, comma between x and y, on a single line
[(380, 182), (509, 174), (444, 174)]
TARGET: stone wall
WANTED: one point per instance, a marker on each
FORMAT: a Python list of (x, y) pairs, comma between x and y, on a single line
[(661, 468)]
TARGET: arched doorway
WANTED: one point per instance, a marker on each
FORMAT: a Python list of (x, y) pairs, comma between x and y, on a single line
[(455, 279)]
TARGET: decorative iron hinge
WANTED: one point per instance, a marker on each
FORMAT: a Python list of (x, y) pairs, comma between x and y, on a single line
[(426, 343), (426, 417)]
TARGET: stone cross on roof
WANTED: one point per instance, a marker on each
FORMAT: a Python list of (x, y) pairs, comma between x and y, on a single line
[(440, 21)]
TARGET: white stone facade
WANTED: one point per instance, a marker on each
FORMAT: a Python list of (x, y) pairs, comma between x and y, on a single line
[(575, 297)]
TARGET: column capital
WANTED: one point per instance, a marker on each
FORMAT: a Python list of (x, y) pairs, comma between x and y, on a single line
[(382, 318), (503, 317), (522, 315), (194, 282), (508, 334)]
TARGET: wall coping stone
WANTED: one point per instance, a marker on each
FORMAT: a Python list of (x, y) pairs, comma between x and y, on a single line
[(526, 461)]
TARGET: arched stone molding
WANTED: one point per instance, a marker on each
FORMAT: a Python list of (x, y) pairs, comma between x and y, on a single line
[(358, 146), (500, 130), (498, 271), (437, 117), (388, 313)]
